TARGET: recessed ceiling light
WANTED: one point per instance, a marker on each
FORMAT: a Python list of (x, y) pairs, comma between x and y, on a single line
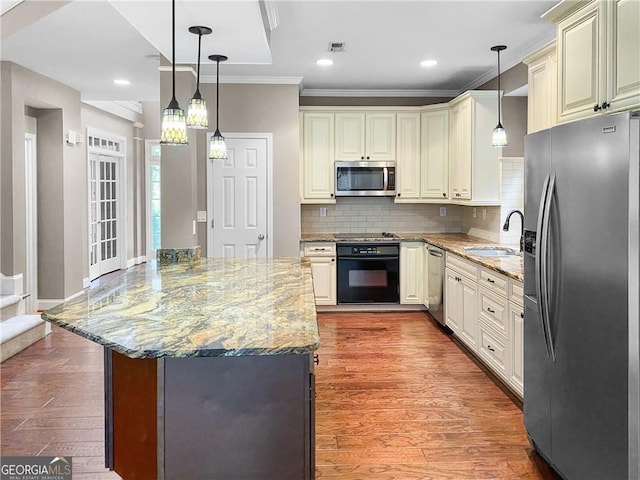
[(121, 81), (325, 62), (428, 63)]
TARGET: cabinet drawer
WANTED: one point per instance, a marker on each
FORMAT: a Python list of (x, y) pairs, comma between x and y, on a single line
[(319, 249), (493, 281), (462, 266), (494, 349), (493, 310), (516, 292)]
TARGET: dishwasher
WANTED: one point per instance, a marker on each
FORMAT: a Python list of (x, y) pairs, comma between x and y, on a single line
[(435, 280)]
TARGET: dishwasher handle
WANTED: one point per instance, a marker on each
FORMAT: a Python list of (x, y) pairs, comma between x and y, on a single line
[(435, 253)]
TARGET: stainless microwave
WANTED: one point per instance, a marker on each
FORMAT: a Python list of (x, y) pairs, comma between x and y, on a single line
[(360, 179)]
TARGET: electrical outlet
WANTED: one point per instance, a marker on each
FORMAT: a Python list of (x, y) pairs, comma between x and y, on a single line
[(323, 211), (475, 212), (484, 213), (195, 231), (443, 211)]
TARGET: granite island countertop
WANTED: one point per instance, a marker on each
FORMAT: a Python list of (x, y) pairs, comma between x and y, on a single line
[(455, 243), (209, 308)]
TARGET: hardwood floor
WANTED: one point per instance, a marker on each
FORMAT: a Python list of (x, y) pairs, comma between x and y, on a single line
[(396, 399)]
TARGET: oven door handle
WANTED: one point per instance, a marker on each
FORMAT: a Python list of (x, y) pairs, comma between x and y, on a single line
[(349, 257)]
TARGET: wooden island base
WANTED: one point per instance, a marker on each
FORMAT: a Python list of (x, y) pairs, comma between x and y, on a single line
[(246, 417)]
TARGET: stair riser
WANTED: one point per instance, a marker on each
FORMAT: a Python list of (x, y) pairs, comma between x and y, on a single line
[(22, 341)]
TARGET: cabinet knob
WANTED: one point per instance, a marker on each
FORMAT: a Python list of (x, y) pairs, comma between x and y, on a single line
[(522, 315), (362, 158), (368, 156), (333, 259), (444, 194), (605, 104), (316, 359), (596, 107), (331, 194), (399, 194)]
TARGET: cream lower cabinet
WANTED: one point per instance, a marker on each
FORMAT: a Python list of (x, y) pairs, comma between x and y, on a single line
[(322, 256), (461, 300), (411, 273), (598, 61), (484, 310)]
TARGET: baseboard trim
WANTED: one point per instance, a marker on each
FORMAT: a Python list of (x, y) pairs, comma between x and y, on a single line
[(136, 261), (86, 282), (11, 284), (47, 303)]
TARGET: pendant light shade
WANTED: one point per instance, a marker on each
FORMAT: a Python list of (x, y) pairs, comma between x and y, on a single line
[(217, 147), (499, 137), (197, 116), (174, 127)]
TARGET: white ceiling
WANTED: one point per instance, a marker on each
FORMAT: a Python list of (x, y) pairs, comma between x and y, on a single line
[(86, 44)]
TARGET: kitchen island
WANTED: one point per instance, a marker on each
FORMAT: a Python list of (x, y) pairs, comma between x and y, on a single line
[(208, 367)]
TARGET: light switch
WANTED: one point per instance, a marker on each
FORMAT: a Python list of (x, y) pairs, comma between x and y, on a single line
[(201, 215)]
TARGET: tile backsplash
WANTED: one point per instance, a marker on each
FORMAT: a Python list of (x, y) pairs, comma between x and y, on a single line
[(512, 198), (375, 215)]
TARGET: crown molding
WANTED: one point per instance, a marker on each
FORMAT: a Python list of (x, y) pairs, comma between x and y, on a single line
[(512, 59), (252, 80), (179, 68), (310, 92)]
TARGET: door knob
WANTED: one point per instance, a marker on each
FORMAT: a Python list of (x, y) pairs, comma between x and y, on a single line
[(261, 237)]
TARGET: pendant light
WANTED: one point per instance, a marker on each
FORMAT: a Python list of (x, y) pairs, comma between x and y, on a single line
[(499, 138), (174, 127), (217, 148), (197, 109)]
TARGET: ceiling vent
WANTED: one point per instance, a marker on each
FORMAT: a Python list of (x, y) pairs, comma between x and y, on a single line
[(336, 47)]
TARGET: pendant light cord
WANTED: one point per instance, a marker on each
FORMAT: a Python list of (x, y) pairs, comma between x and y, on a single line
[(499, 119), (217, 91), (173, 46), (198, 76)]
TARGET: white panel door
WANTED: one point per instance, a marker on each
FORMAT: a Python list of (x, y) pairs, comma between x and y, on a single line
[(239, 200)]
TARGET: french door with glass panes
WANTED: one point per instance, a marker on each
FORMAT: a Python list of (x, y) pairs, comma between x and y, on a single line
[(104, 214)]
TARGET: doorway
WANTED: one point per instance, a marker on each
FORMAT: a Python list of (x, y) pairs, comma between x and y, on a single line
[(153, 196), (239, 198), (106, 204), (31, 193)]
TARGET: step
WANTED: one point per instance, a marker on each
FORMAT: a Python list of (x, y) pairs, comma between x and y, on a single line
[(17, 333), (9, 306)]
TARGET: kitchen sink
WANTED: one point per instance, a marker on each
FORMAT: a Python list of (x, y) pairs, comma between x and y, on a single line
[(492, 251)]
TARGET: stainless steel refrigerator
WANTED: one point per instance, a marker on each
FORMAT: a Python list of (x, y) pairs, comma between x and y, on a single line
[(581, 334)]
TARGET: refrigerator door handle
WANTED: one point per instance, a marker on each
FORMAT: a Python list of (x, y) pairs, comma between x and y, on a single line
[(544, 261), (538, 263)]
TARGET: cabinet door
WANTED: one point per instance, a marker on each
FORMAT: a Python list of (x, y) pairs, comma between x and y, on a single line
[(579, 57), (350, 131), (434, 149), (452, 300), (542, 100), (623, 54), (380, 137), (411, 273), (318, 145), (516, 317), (408, 161), (469, 324), (323, 270), (461, 125)]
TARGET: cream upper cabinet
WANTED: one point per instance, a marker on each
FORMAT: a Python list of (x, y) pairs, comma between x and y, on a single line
[(411, 272), (598, 61), (362, 136), (408, 158), (317, 158), (542, 103), (474, 177), (434, 154)]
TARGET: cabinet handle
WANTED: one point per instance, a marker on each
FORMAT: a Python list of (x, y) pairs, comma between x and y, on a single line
[(522, 315), (605, 104), (490, 348), (316, 359), (490, 311), (596, 107), (490, 281)]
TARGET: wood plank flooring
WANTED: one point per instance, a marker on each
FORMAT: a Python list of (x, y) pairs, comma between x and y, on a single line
[(396, 399)]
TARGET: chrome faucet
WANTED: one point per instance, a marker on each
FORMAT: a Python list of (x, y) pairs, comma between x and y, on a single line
[(505, 227)]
